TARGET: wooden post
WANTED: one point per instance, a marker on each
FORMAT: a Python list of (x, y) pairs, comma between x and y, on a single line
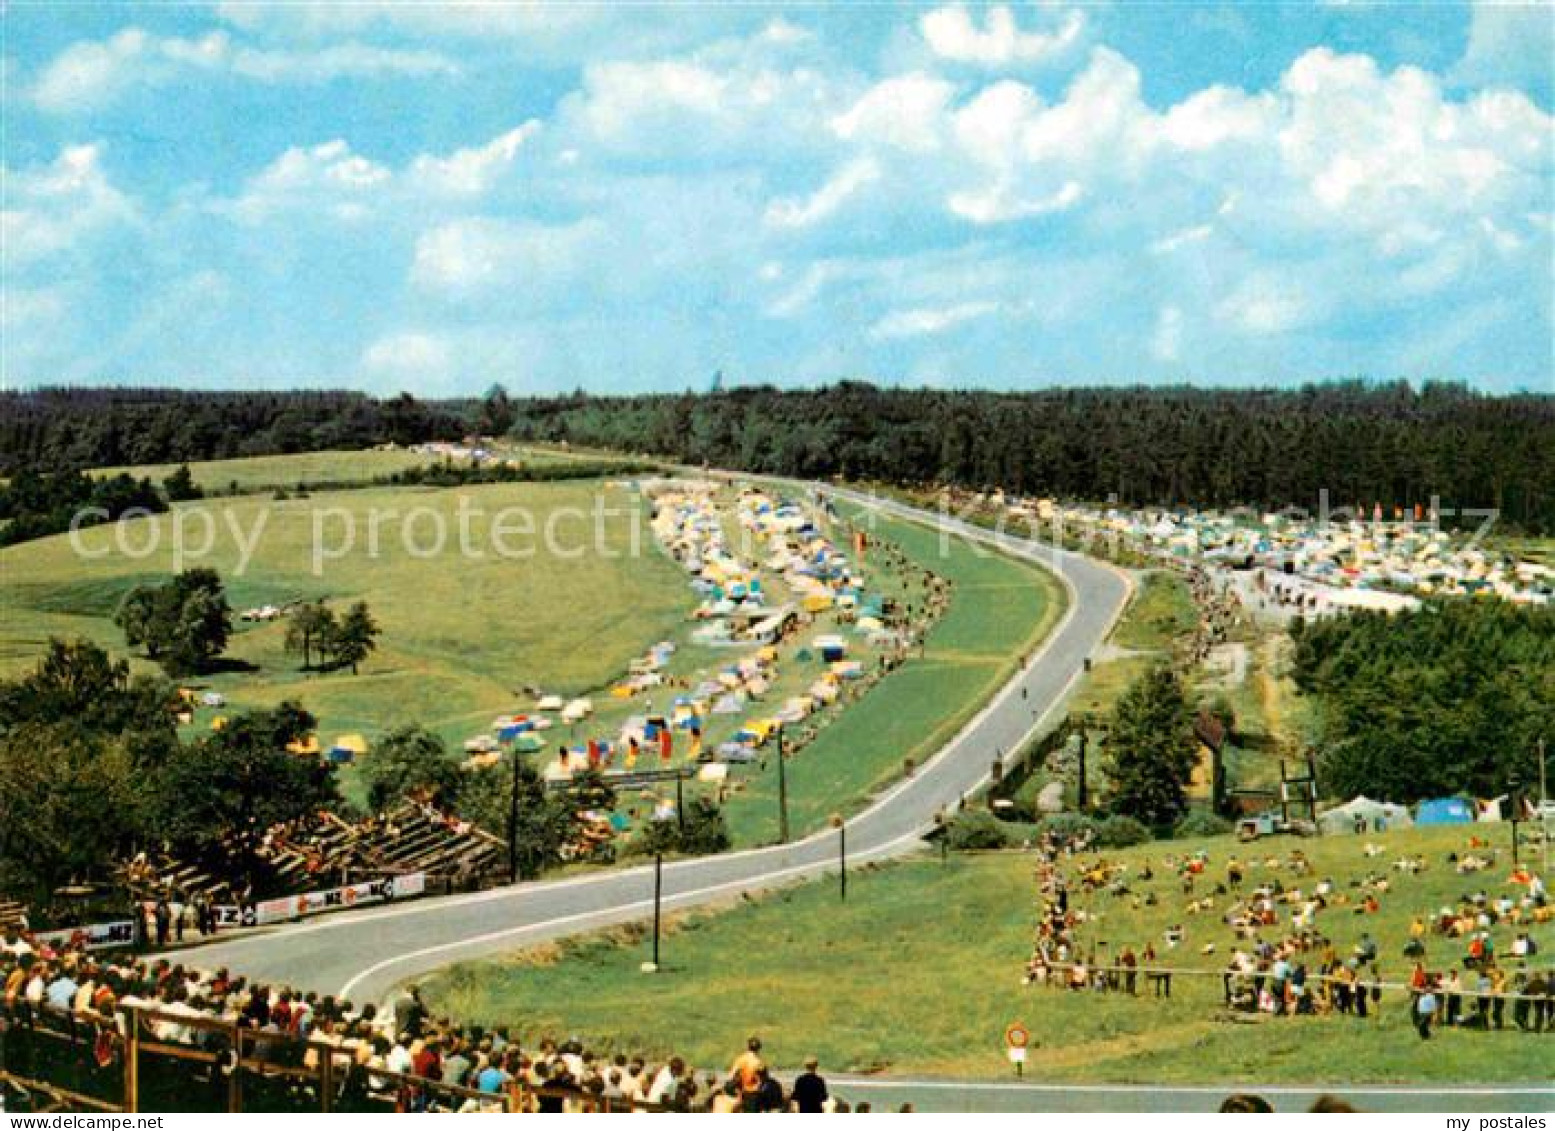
[(235, 1084), (513, 819), (658, 891), (842, 859), (132, 1062), (327, 1080), (782, 790), (1082, 795)]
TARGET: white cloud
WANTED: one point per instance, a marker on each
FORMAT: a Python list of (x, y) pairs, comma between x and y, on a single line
[(476, 256), (1218, 115), (52, 209), (332, 181), (741, 101), (904, 113), (90, 74), (1002, 203), (851, 179), (929, 320), (327, 178), (472, 171), (1373, 150), (952, 33)]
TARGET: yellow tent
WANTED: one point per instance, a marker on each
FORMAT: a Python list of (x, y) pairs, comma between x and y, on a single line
[(302, 746), (352, 742)]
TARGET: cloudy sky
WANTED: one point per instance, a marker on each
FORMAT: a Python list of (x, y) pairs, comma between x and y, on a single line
[(435, 197)]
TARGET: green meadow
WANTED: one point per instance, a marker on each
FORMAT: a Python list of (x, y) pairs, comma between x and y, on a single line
[(461, 633), (261, 473), (289, 472), (920, 971)]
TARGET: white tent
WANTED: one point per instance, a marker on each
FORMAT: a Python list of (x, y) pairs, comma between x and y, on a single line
[(1343, 818)]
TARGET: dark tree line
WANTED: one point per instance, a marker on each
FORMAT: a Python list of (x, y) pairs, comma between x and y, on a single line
[(70, 428), (1451, 698), (1362, 442), (34, 504)]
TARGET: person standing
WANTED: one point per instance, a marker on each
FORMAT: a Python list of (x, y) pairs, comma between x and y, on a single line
[(163, 914), (746, 1070), (810, 1094), (1425, 1012)]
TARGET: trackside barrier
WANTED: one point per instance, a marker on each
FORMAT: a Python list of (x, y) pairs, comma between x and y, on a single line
[(1156, 980)]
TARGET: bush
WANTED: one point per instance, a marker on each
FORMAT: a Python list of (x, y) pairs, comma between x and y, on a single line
[(1121, 832), (1066, 826), (702, 833), (1202, 823), (978, 830)]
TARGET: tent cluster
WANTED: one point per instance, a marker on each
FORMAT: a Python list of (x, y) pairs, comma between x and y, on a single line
[(346, 748), (522, 732), (687, 523), (817, 573), (1362, 814), (645, 672), (1405, 553)]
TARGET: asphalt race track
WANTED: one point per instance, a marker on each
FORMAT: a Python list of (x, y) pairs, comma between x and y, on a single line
[(362, 955)]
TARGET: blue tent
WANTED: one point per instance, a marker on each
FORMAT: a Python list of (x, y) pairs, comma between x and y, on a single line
[(1445, 811)]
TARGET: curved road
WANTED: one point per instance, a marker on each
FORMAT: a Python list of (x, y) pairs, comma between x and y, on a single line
[(362, 955)]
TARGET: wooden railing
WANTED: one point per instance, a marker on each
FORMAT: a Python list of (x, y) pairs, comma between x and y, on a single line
[(144, 1059)]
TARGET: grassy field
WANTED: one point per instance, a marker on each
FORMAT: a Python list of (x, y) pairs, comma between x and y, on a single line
[(264, 473), (259, 473), (460, 634), (920, 970), (1161, 612), (1001, 609)]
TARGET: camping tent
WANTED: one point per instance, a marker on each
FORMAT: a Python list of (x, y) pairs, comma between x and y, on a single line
[(1444, 811), (1343, 818)]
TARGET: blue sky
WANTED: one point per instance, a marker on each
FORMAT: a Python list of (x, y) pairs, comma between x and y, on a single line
[(437, 197)]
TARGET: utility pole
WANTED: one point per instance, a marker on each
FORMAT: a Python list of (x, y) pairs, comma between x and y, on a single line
[(1514, 791), (1544, 811), (658, 896), (1082, 796), (842, 855), (782, 790), (513, 820)]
